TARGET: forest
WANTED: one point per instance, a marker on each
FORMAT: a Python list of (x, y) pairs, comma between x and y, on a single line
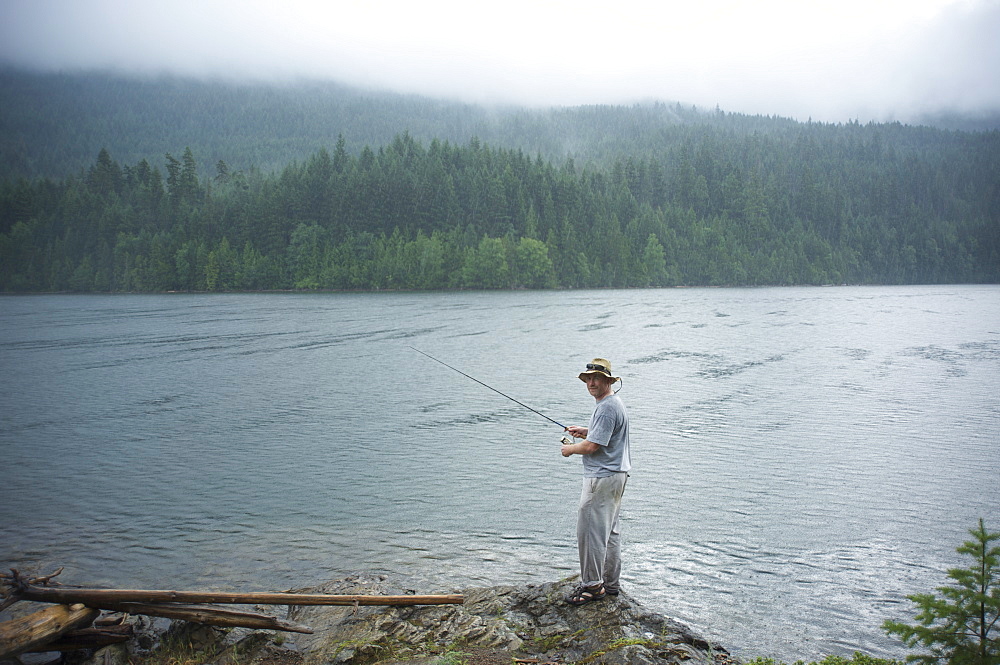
[(651, 196)]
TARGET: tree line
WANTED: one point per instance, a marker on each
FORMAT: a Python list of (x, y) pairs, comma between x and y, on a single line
[(848, 205)]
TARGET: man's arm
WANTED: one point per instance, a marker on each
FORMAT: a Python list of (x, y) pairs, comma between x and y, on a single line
[(585, 447)]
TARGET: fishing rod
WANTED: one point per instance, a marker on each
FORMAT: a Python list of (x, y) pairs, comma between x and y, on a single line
[(490, 387)]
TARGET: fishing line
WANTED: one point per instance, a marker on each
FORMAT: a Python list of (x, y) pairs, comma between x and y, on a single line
[(490, 387)]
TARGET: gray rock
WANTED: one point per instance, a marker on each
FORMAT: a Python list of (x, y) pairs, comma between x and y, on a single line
[(495, 624)]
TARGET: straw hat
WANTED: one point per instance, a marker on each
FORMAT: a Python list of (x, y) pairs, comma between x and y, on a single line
[(599, 366)]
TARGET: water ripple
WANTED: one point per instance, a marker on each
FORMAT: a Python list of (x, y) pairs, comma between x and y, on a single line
[(804, 458)]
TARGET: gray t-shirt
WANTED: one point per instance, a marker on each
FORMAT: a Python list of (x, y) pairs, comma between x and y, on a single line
[(608, 429)]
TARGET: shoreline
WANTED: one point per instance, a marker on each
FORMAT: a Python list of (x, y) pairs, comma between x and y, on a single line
[(496, 625)]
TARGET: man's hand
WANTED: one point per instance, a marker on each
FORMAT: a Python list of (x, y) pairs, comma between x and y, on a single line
[(577, 432), (583, 448)]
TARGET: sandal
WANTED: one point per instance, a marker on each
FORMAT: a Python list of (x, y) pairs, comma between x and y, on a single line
[(584, 594)]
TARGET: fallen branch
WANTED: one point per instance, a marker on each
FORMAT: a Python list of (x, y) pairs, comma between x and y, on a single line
[(16, 579), (88, 638), (14, 582), (101, 597), (206, 614), (42, 627)]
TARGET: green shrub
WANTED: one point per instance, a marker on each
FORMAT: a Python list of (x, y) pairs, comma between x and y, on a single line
[(857, 659)]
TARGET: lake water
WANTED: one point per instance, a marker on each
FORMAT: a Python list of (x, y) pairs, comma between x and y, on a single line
[(804, 457)]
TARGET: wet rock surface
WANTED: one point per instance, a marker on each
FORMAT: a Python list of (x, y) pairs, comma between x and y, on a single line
[(495, 624)]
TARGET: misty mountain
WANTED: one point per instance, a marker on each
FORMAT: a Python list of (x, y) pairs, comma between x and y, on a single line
[(54, 124)]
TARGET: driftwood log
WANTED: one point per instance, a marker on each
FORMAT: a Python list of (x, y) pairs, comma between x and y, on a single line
[(206, 614), (101, 597), (42, 627), (88, 638)]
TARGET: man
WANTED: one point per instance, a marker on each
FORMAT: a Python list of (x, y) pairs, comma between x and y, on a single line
[(606, 461)]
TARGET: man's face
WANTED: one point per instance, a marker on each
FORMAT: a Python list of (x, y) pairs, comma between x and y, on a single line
[(598, 385)]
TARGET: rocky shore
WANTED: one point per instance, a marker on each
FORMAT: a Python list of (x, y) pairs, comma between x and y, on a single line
[(497, 625)]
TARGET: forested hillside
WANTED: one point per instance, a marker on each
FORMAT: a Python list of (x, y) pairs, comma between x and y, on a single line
[(52, 125), (388, 192)]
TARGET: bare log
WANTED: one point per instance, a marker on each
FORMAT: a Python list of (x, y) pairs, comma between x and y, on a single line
[(214, 616), (88, 638), (35, 630), (101, 597)]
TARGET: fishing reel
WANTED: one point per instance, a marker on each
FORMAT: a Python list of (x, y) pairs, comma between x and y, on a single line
[(565, 440)]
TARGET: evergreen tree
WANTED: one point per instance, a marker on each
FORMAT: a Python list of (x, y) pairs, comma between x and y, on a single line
[(654, 263), (960, 627), (105, 177), (305, 253)]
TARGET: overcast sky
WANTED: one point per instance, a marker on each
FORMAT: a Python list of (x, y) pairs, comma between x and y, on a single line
[(831, 61)]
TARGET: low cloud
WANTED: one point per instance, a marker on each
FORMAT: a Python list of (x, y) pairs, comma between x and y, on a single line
[(854, 60)]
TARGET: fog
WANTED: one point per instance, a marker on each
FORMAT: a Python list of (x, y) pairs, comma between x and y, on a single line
[(832, 62)]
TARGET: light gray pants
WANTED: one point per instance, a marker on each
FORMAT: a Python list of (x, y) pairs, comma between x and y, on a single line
[(597, 534)]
